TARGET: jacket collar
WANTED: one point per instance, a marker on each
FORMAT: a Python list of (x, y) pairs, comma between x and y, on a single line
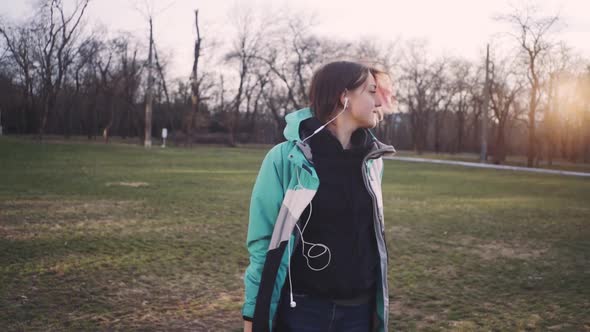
[(325, 143), (293, 132)]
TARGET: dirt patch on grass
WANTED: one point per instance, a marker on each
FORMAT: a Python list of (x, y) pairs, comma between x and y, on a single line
[(63, 206), (490, 250), (397, 307), (463, 326), (183, 298), (128, 184), (402, 312), (26, 219), (502, 249), (398, 231), (145, 304)]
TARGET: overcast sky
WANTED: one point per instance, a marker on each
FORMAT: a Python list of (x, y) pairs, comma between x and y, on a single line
[(456, 27)]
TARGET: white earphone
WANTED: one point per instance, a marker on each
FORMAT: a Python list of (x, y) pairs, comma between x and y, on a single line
[(303, 243), (334, 118)]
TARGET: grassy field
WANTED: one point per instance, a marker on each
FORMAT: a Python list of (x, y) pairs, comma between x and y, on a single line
[(96, 237)]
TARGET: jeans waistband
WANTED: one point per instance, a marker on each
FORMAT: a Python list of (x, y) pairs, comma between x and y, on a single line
[(361, 299), (357, 300)]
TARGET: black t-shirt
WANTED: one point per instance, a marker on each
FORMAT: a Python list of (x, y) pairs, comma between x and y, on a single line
[(341, 219)]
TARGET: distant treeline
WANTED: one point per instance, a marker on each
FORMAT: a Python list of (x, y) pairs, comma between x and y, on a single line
[(58, 76)]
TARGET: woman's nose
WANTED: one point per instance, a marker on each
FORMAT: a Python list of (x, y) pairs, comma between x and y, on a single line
[(378, 101)]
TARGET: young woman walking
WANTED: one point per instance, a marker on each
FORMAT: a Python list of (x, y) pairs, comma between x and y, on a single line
[(318, 257)]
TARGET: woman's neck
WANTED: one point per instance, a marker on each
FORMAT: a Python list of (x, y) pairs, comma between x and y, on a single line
[(342, 130)]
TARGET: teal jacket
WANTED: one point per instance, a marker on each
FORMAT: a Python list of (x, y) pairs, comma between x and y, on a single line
[(285, 185)]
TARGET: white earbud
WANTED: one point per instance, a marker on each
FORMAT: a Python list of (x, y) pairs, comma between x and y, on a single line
[(293, 303), (334, 118)]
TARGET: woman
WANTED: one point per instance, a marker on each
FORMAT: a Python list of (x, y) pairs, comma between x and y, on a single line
[(318, 257)]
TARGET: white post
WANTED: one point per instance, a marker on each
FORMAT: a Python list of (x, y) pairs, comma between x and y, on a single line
[(164, 135)]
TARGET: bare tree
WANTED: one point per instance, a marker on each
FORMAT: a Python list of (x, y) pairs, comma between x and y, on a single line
[(420, 92), (531, 32), (164, 87), (149, 91), (245, 51), (148, 10), (196, 80), (447, 92), (275, 99), (585, 92), (503, 91), (462, 79), (84, 56), (559, 65), (86, 80), (130, 71), (55, 37), (19, 43), (293, 53)]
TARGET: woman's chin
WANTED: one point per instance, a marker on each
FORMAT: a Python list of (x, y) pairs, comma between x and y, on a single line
[(371, 125), (376, 120), (372, 122)]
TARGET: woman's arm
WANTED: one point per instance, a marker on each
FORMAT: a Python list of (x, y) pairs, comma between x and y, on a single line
[(265, 202)]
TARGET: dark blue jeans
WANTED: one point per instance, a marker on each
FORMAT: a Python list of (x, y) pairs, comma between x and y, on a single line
[(318, 315)]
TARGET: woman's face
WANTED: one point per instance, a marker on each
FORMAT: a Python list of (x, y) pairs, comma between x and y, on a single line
[(364, 105)]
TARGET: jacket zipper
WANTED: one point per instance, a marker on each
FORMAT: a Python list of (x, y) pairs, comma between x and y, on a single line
[(377, 220)]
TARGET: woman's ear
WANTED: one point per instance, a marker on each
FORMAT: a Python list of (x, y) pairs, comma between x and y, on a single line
[(344, 98)]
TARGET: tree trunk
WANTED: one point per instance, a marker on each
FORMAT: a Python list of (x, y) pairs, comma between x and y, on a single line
[(500, 151), (460, 129), (531, 149)]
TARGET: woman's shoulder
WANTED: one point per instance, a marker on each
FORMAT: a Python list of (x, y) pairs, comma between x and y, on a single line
[(277, 157), (280, 151)]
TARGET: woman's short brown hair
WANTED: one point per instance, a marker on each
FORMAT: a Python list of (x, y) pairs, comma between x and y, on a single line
[(331, 80)]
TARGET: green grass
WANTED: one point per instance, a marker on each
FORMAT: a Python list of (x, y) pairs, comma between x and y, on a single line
[(119, 238)]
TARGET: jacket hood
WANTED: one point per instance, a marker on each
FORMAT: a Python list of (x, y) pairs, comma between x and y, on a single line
[(294, 120)]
